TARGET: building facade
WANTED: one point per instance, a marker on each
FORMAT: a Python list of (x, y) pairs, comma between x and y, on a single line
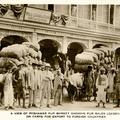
[(61, 28)]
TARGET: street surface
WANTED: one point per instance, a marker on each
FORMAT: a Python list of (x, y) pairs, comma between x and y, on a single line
[(67, 106)]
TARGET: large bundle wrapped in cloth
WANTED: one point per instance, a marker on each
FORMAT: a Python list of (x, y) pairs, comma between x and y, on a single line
[(32, 53), (32, 45), (14, 51), (109, 51), (105, 50), (8, 62), (95, 57), (84, 59), (39, 55), (81, 68), (97, 52), (19, 51)]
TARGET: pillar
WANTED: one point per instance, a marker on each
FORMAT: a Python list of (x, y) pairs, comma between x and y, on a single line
[(34, 37), (90, 44), (65, 45)]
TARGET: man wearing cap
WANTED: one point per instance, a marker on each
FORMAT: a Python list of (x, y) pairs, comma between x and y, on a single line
[(117, 86), (33, 85), (46, 85), (101, 84)]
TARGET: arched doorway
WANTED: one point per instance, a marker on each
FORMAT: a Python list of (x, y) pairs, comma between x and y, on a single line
[(73, 49), (12, 39), (49, 48)]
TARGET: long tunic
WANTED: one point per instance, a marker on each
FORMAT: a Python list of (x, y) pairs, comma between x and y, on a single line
[(46, 86), (111, 82), (33, 79), (33, 84), (8, 90), (101, 84)]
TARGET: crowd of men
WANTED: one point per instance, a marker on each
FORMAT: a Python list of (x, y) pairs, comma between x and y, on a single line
[(36, 79), (40, 81), (103, 84)]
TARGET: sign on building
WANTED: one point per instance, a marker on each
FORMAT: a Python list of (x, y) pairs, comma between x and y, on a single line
[(37, 15)]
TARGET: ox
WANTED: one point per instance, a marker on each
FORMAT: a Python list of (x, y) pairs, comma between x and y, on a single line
[(74, 82)]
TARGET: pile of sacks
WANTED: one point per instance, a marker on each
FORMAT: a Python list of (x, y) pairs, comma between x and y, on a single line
[(83, 60), (13, 54), (96, 56)]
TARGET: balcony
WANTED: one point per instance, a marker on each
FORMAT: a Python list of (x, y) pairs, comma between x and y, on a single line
[(85, 24)]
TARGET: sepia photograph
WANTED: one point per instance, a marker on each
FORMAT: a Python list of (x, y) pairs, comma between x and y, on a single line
[(59, 57)]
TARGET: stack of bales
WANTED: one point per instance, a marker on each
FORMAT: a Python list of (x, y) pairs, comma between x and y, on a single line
[(14, 54), (83, 60), (107, 56), (96, 56)]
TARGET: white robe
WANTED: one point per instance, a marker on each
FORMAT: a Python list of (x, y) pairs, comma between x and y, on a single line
[(111, 82), (8, 90), (101, 93)]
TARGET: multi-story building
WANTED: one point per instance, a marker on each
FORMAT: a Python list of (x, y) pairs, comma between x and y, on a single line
[(64, 28)]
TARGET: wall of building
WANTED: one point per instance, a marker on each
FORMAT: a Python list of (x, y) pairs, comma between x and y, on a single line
[(85, 24)]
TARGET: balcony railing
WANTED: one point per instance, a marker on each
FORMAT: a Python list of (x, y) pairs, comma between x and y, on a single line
[(76, 23)]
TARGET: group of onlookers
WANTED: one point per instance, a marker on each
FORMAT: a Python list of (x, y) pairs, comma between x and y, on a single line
[(103, 84), (35, 79), (38, 81)]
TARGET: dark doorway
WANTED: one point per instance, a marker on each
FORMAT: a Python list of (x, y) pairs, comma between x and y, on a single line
[(48, 48), (73, 49), (99, 45), (12, 39)]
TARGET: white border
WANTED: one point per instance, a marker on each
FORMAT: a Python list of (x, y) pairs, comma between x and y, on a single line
[(60, 1), (6, 115)]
